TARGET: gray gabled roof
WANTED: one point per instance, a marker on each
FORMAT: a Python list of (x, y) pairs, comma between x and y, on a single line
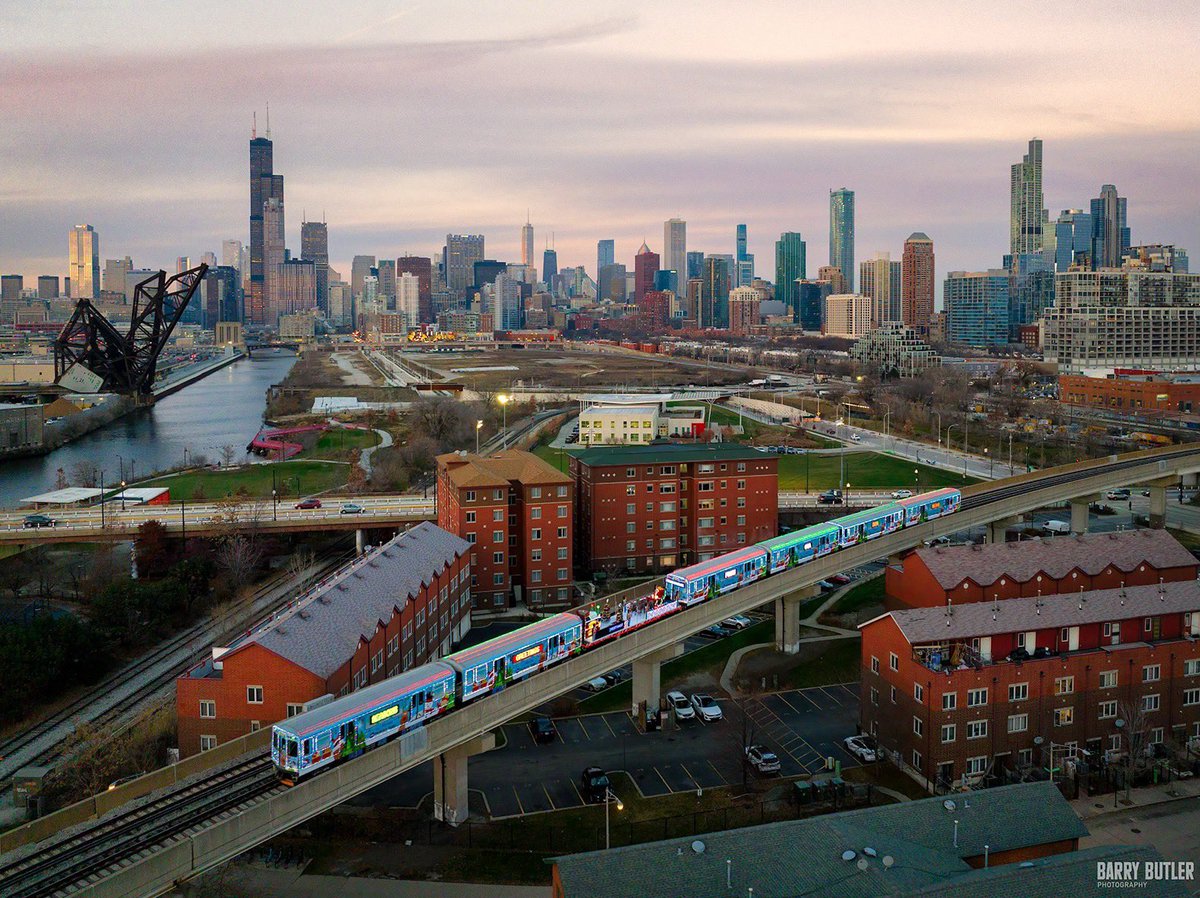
[(799, 857), (322, 631)]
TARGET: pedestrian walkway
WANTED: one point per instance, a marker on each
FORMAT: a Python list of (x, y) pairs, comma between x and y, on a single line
[(1139, 799)]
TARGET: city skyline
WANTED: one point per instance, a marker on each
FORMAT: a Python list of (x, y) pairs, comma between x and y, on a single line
[(155, 198)]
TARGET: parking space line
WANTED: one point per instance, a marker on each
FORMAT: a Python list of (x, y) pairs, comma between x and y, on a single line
[(518, 798), (846, 686), (664, 780), (830, 694), (717, 772), (683, 767), (546, 792), (578, 794), (604, 717)]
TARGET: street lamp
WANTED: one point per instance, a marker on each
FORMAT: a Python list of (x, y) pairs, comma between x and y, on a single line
[(948, 429), (478, 427), (991, 461), (846, 495), (609, 795), (917, 478), (939, 429), (274, 504), (503, 400), (122, 495)]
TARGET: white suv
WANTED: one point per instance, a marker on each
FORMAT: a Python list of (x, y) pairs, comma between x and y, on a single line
[(679, 704), (706, 707)]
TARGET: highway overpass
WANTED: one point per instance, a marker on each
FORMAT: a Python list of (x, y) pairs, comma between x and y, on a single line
[(204, 825)]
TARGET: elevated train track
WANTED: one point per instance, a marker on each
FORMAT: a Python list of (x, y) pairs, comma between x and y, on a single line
[(168, 854)]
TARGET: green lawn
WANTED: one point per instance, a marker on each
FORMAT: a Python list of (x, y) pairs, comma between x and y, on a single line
[(863, 470), (258, 480), (559, 458), (869, 592), (839, 662), (338, 443)]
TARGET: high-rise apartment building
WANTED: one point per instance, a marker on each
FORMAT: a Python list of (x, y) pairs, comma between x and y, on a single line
[(274, 255), (695, 265), (847, 315), (549, 266), (880, 278), (917, 283), (48, 286), (264, 185), (841, 233), (790, 267), (114, 274), (1072, 239), (527, 243), (714, 292), (231, 254), (809, 310), (743, 260), (385, 270), (314, 246), (645, 266), (1028, 217), (459, 256), (675, 247), (605, 255), (422, 268), (1110, 230), (745, 310), (296, 284), (360, 269), (506, 293), (11, 286), (835, 276), (611, 282), (84, 259), (408, 298), (976, 305), (1031, 291)]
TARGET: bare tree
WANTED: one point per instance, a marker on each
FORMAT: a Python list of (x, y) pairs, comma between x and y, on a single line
[(84, 473), (228, 454)]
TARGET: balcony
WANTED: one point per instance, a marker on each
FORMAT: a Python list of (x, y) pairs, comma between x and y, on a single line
[(947, 657)]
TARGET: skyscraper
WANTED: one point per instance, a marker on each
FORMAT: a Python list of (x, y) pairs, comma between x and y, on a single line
[(841, 233), (314, 247), (695, 266), (977, 307), (231, 254), (408, 298), (880, 279), (605, 255), (527, 242), (809, 310), (84, 260), (1072, 238), (114, 274), (833, 274), (1110, 233), (714, 292), (296, 289), (507, 303), (549, 265), (917, 284), (385, 270), (264, 185), (274, 256), (790, 266), (422, 268), (645, 266), (360, 269), (461, 253), (47, 286), (1027, 213), (674, 256), (743, 261)]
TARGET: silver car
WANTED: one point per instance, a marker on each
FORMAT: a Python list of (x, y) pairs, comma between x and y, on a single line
[(860, 748), (706, 707), (679, 704)]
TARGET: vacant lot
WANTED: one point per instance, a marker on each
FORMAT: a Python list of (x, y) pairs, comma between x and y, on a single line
[(575, 369), (288, 478), (862, 470)]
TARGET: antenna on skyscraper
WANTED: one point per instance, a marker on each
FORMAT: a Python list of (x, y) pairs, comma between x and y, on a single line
[(254, 126), (268, 121)]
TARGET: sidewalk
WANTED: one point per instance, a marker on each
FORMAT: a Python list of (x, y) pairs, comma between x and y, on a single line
[(1147, 796)]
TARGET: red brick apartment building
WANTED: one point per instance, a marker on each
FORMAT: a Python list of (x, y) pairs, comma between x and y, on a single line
[(934, 576), (394, 608), (652, 508), (516, 512), (940, 692), (1133, 391)]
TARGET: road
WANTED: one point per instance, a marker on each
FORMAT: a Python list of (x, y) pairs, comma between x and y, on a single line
[(1172, 827), (952, 460)]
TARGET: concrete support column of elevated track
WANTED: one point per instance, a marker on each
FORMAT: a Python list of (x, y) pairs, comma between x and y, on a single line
[(647, 681), (1158, 500), (1080, 508), (360, 542), (997, 529), (450, 796), (787, 619)]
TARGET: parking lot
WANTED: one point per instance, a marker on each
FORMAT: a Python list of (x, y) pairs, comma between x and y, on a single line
[(802, 727)]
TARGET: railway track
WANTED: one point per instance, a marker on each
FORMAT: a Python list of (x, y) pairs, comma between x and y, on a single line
[(89, 852), (118, 700)]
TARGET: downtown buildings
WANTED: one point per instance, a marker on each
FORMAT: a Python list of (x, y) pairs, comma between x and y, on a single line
[(84, 258), (917, 283), (841, 233), (790, 268)]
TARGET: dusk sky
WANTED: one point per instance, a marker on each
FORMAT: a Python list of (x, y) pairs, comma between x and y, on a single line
[(401, 121)]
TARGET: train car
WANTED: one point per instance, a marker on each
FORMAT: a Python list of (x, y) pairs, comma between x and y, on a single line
[(927, 506), (494, 664), (350, 725), (805, 544), (695, 583), (605, 619), (868, 524)]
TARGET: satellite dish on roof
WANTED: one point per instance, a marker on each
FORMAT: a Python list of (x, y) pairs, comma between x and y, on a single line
[(949, 805), (862, 863), (888, 861), (849, 855), (870, 852), (1038, 740), (698, 847)]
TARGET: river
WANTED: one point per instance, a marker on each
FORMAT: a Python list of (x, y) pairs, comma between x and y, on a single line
[(224, 408)]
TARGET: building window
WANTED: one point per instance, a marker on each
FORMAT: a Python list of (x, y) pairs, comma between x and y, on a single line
[(893, 661), (498, 514), (1018, 692), (1064, 717), (1018, 723), (949, 701), (207, 743), (535, 555), (1150, 702), (631, 490), (949, 732), (918, 692), (976, 766), (377, 661), (704, 486), (562, 532), (471, 538), (208, 709), (874, 696), (1108, 679), (976, 697), (498, 557), (1156, 736), (918, 726), (254, 695), (917, 761), (1064, 685), (1107, 710), (1191, 696), (977, 729), (535, 533), (1151, 673), (535, 492), (535, 576), (562, 511), (535, 514), (562, 573), (497, 536), (497, 579), (893, 694), (1147, 624), (294, 708), (470, 495), (470, 517), (874, 664), (255, 726), (1191, 667)]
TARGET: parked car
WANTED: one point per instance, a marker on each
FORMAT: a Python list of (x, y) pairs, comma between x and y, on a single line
[(1120, 495), (309, 503), (706, 707), (718, 631), (613, 677), (543, 729), (856, 438), (594, 784), (351, 508), (38, 520), (830, 497), (840, 579), (737, 622), (860, 748), (1057, 527), (826, 586), (679, 704), (596, 684), (902, 494), (765, 762)]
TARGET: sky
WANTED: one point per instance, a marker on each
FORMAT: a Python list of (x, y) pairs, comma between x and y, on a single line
[(401, 121)]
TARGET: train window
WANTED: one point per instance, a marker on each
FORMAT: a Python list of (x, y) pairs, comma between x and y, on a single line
[(291, 748), (308, 746)]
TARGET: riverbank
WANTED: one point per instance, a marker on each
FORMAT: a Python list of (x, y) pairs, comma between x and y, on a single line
[(198, 372)]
